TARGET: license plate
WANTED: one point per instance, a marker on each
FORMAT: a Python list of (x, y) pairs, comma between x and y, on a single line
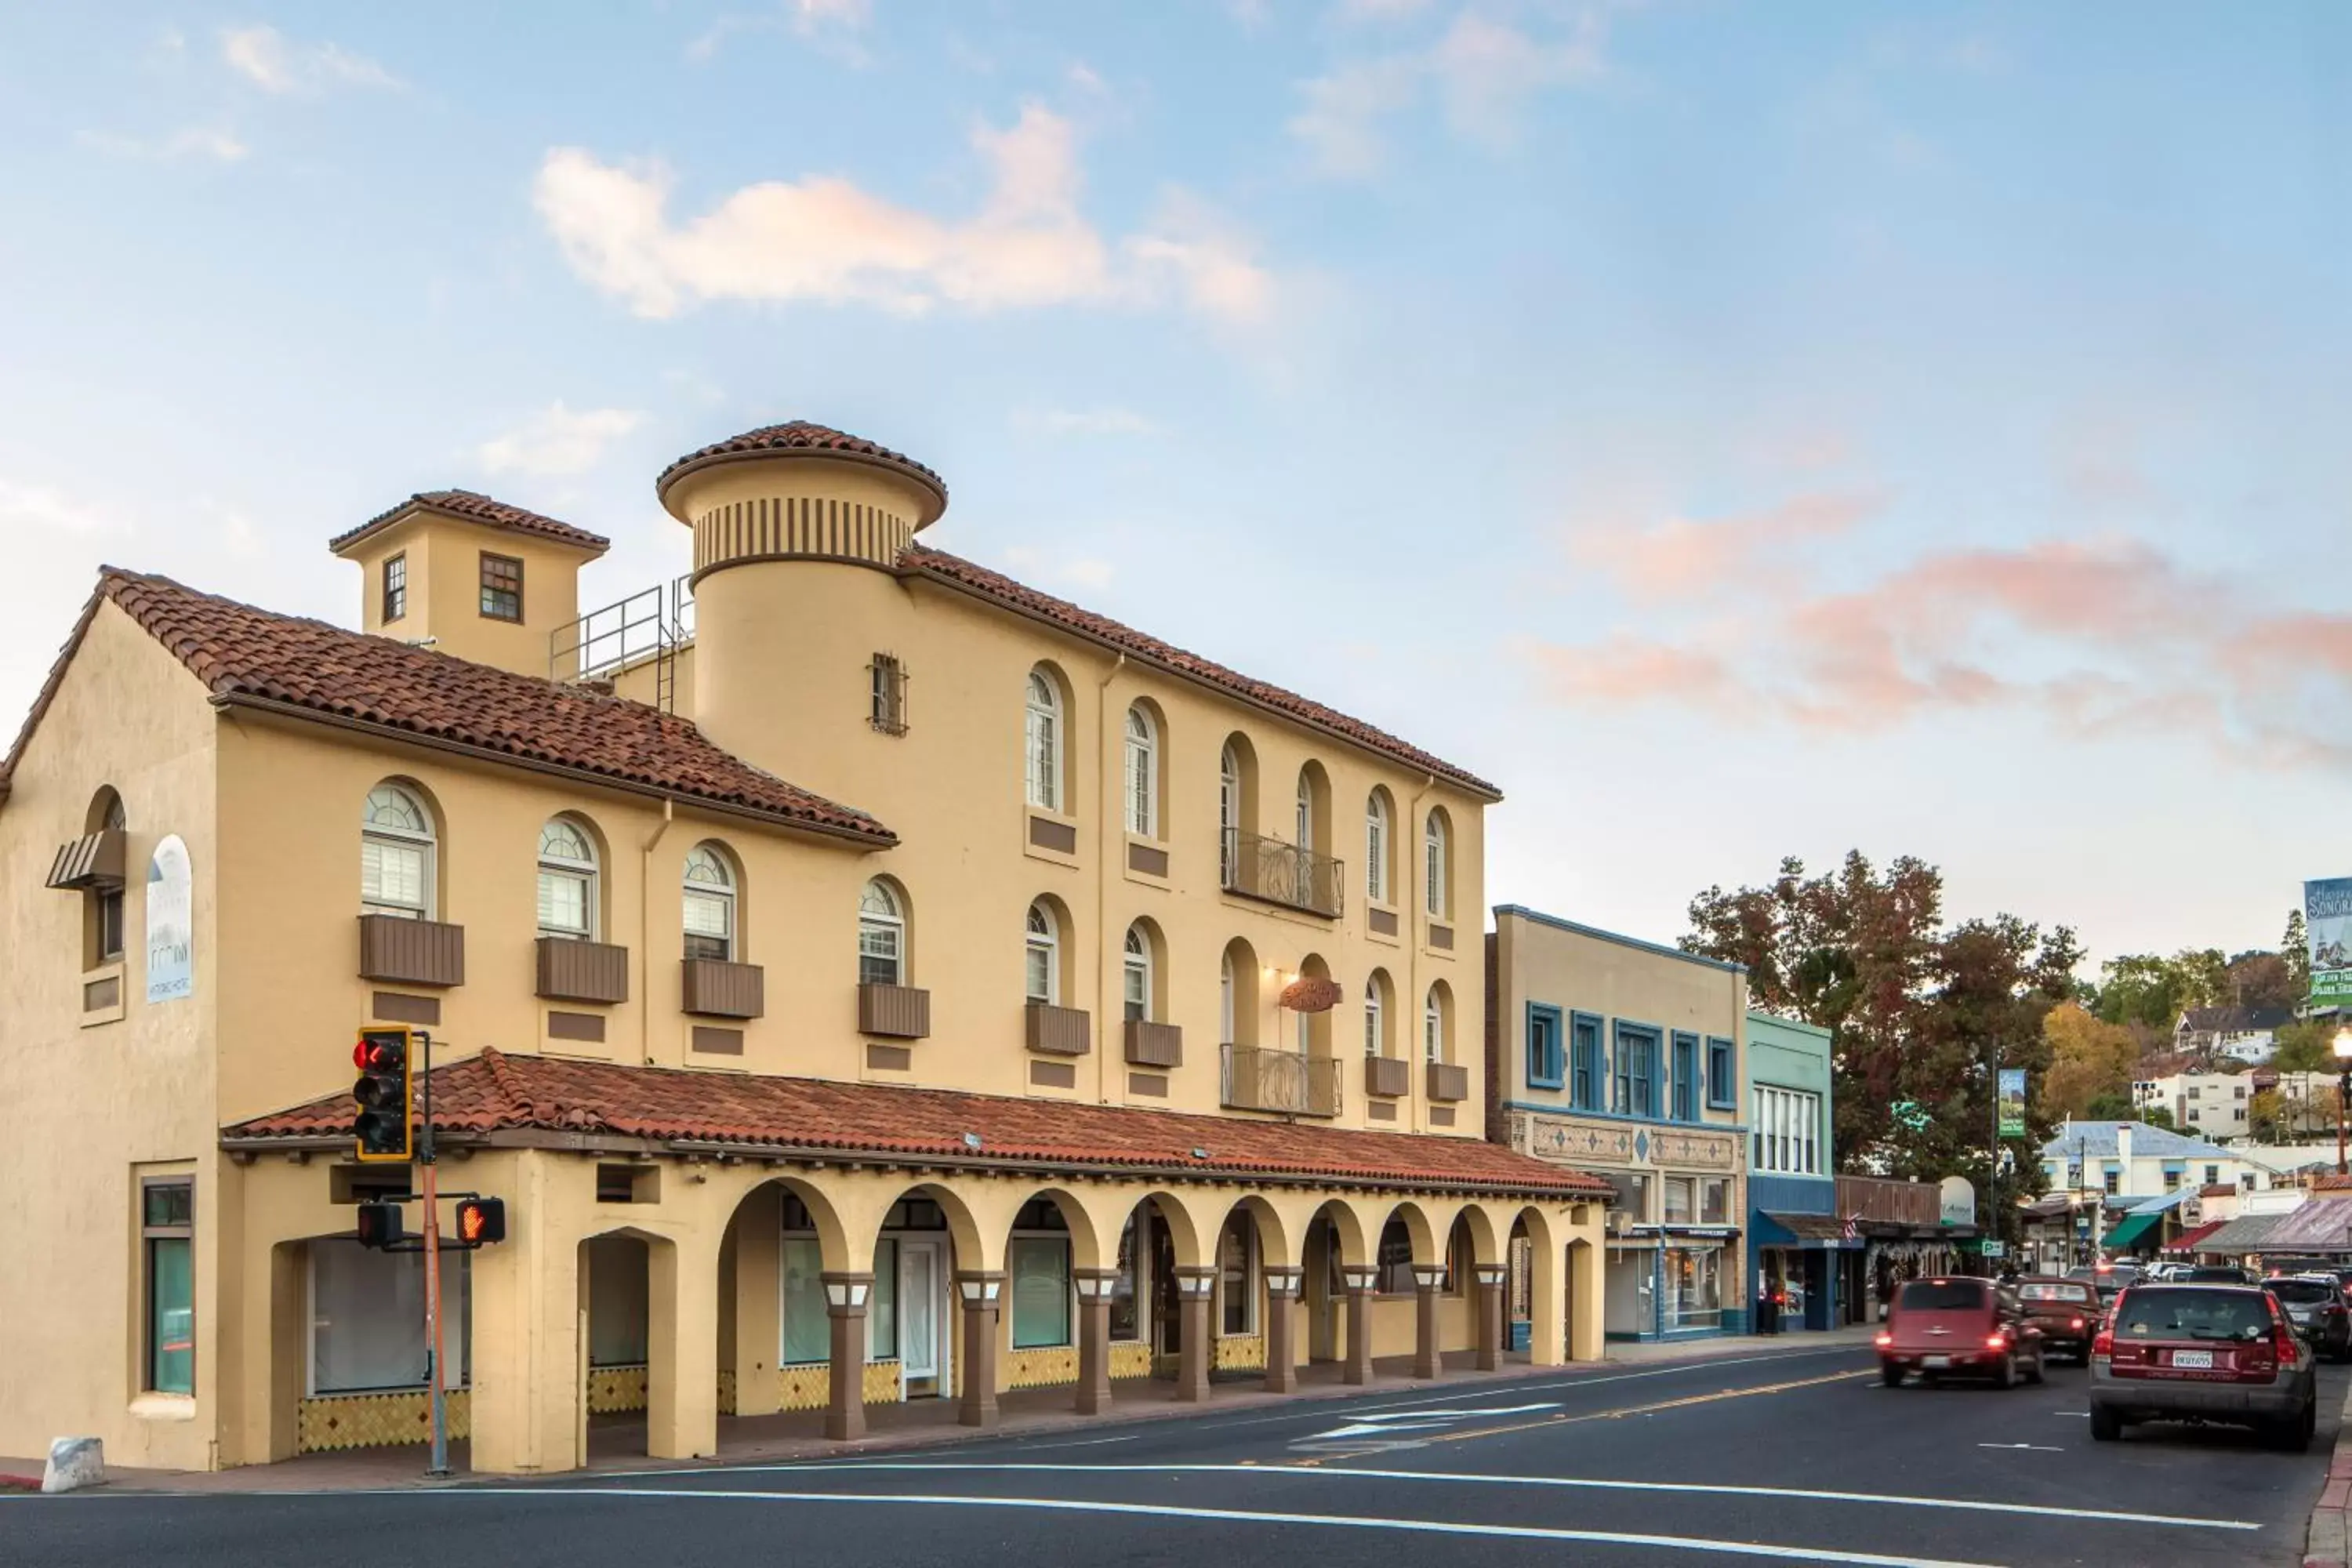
[(1941, 1360), (2194, 1361)]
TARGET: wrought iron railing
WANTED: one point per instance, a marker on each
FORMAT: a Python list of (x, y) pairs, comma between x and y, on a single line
[(1257, 1079), (1259, 868)]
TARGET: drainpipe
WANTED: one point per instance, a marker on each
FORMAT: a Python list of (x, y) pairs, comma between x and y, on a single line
[(645, 847), (1416, 909), (1115, 830)]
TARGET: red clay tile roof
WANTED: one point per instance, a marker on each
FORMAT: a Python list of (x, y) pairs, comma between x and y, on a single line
[(956, 571), (476, 508), (495, 1092), (806, 437), (284, 662)]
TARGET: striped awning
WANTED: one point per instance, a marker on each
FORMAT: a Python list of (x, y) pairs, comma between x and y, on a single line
[(91, 863)]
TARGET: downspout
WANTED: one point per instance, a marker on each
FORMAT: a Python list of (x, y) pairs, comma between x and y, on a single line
[(646, 848), (1114, 829), (1417, 911)]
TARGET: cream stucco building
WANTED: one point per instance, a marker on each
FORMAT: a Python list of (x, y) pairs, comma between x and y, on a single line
[(1079, 1011)]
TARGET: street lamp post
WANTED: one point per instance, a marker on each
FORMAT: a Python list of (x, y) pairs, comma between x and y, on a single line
[(2342, 1091)]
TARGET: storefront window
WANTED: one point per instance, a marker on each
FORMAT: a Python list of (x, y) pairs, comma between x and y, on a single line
[(808, 1336), (167, 1232), (1234, 1274), (882, 1304), (1395, 1260), (1678, 1200), (367, 1319), (1127, 1290), (1694, 1287), (1041, 1291), (1714, 1200)]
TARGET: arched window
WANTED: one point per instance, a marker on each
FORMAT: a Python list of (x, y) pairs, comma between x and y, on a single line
[(395, 855), (1306, 837), (567, 881), (881, 936), (1376, 1023), (1433, 854), (1225, 999), (1043, 745), (1376, 848), (1229, 813), (1143, 774), (1432, 1025), (1137, 975), (104, 901), (709, 910), (1044, 956)]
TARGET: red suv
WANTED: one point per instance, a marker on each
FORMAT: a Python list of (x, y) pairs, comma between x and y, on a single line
[(2203, 1353), (1970, 1327)]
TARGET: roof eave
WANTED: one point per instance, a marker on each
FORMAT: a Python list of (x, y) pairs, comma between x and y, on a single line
[(882, 838), (904, 469), (1467, 783), (343, 545)]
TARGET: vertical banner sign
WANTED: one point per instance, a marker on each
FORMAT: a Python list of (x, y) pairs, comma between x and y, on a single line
[(2012, 1102), (2327, 925), (171, 924)]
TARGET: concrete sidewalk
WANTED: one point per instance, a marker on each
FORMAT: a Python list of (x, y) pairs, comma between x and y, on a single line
[(615, 1446), (2328, 1540)]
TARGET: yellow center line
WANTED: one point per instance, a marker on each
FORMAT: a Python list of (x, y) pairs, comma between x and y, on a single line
[(1568, 1420)]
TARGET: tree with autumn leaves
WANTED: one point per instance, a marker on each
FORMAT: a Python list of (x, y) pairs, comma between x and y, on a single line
[(1919, 1015)]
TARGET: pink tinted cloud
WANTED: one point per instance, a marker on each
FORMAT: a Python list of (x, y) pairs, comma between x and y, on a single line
[(1683, 556)]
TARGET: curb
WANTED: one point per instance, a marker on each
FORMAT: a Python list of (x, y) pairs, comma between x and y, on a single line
[(2328, 1540)]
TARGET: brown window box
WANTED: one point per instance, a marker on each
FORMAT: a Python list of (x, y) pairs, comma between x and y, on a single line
[(1391, 1076), (1154, 1045), (573, 970), (1059, 1031), (1382, 922), (1047, 833), (1148, 859), (897, 1012), (412, 953), (1448, 1082), (718, 989), (1441, 937)]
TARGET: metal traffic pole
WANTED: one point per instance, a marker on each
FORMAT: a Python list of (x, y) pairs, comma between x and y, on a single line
[(440, 1465)]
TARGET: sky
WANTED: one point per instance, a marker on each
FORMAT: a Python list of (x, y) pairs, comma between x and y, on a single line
[(1737, 430)]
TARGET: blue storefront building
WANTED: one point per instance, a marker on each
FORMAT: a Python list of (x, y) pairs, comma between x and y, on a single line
[(1795, 1232)]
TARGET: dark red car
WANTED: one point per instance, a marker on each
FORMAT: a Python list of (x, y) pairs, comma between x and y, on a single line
[(1959, 1328), (2068, 1312)]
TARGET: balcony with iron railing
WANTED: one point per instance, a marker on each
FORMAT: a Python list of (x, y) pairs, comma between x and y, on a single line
[(1268, 869), (1254, 1078)]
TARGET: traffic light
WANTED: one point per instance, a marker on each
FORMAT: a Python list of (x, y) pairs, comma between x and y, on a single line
[(382, 1097), (481, 1221), (378, 1224)]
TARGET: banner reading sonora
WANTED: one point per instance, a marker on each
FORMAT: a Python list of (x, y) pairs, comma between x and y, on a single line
[(2012, 1102), (2327, 923)]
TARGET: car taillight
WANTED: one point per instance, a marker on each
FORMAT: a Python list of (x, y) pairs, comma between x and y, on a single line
[(2075, 1322), (1996, 1343), (2102, 1347), (1884, 1340)]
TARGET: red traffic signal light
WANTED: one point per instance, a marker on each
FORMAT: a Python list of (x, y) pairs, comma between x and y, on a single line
[(481, 1221), (382, 1095), (378, 1224)]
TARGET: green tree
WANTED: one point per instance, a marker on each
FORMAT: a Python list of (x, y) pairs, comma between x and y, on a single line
[(2294, 947), (2203, 977), (2308, 1046), (2090, 1059), (2139, 988)]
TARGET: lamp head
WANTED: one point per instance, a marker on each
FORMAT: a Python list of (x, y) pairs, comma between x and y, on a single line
[(2344, 1047)]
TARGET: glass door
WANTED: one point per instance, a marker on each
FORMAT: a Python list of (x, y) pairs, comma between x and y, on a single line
[(919, 1316)]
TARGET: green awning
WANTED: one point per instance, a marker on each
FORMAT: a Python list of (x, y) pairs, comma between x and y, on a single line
[(2130, 1229)]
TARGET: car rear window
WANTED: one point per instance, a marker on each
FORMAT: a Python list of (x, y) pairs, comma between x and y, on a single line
[(2051, 1292), (2186, 1312), (2216, 1277), (2301, 1290), (1941, 1296)]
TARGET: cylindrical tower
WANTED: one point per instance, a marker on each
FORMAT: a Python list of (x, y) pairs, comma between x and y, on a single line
[(797, 532)]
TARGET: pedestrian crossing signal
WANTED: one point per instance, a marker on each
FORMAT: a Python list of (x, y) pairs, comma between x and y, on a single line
[(481, 1221), (378, 1226), (380, 1128)]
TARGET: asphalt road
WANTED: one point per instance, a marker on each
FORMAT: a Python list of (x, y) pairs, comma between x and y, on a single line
[(1792, 1456)]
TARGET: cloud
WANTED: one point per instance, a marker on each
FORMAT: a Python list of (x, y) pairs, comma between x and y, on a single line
[(190, 141), (557, 440), (1484, 71), (1078, 572), (29, 507), (1102, 421), (2100, 638), (1682, 555), (822, 238), (832, 25), (267, 58)]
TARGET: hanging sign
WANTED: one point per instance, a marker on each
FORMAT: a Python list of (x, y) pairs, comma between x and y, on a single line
[(2327, 927), (171, 924), (2012, 1102)]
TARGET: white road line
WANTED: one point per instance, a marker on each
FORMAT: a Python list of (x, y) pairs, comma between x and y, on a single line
[(1234, 1516), (1032, 1448), (2028, 1448), (1577, 1483)]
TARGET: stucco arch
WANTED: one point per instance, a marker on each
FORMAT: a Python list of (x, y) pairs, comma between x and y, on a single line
[(1356, 1226), (1088, 1223), (1192, 1220), (1488, 1226), (835, 1242), (1281, 1226), (979, 1216), (1546, 1285), (1428, 1241)]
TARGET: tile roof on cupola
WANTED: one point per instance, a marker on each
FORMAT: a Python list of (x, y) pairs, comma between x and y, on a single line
[(807, 438), (474, 507)]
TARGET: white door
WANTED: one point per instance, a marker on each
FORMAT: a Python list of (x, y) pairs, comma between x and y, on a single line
[(919, 1347)]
